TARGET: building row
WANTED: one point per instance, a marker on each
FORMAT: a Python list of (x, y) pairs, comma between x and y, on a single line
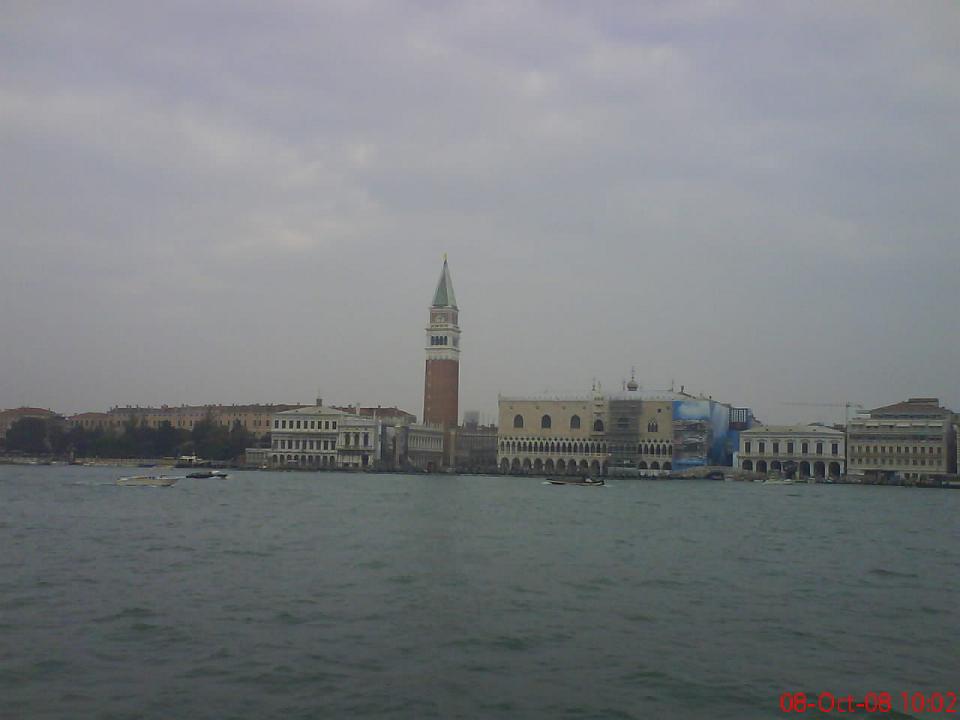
[(255, 419), (655, 434), (627, 433), (327, 438), (912, 441)]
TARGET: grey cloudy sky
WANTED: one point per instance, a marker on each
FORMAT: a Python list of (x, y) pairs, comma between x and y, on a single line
[(247, 201)]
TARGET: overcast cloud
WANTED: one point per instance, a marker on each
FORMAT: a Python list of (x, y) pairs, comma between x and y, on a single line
[(249, 201)]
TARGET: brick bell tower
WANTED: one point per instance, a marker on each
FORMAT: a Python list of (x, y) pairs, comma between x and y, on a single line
[(441, 384)]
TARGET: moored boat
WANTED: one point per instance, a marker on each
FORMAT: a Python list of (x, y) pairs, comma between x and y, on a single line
[(586, 482), (203, 474)]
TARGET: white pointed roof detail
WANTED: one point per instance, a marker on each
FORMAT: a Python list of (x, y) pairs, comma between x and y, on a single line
[(444, 296)]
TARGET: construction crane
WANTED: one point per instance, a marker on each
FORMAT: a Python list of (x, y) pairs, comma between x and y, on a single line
[(845, 405)]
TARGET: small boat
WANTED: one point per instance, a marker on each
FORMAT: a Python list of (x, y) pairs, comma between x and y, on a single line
[(191, 461), (203, 474), (586, 482), (148, 480)]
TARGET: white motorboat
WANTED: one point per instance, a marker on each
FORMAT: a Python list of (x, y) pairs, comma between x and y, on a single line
[(148, 480)]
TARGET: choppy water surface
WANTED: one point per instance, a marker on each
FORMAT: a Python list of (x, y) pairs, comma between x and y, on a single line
[(282, 595)]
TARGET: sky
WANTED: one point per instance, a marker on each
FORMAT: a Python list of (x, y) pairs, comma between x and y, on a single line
[(237, 201)]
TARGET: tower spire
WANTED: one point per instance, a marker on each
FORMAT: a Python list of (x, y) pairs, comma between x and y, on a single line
[(444, 296)]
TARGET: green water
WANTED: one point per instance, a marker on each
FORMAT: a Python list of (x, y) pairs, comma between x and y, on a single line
[(286, 595)]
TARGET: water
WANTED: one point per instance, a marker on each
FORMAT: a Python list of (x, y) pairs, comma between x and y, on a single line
[(283, 595)]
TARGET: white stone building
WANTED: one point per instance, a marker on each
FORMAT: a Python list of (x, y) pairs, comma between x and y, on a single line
[(322, 437), (423, 447), (801, 451), (358, 442)]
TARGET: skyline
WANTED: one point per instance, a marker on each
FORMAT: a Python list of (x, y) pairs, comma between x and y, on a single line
[(237, 204)]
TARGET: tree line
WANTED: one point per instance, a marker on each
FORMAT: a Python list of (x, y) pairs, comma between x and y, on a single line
[(207, 439)]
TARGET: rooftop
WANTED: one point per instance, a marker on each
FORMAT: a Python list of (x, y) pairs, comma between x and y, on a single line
[(653, 396), (179, 409), (383, 412), (792, 430), (27, 411), (913, 406), (444, 296), (314, 410)]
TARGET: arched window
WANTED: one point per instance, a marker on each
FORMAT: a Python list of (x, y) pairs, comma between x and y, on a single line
[(518, 421), (545, 421), (598, 426), (652, 426), (575, 422)]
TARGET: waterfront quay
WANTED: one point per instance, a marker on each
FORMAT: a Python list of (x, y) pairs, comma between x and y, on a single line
[(628, 434)]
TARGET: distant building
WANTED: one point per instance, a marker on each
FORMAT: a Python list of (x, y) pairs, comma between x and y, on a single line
[(255, 419), (317, 437), (104, 422), (910, 440), (421, 447), (359, 443), (641, 432), (631, 432), (552, 434), (801, 451), (347, 437), (475, 446), (9, 417)]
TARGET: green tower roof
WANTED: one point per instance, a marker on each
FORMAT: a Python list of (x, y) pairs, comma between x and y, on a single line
[(444, 296)]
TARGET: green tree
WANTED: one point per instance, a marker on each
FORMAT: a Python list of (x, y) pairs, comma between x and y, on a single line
[(28, 435), (57, 438), (210, 440), (239, 440), (168, 439)]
